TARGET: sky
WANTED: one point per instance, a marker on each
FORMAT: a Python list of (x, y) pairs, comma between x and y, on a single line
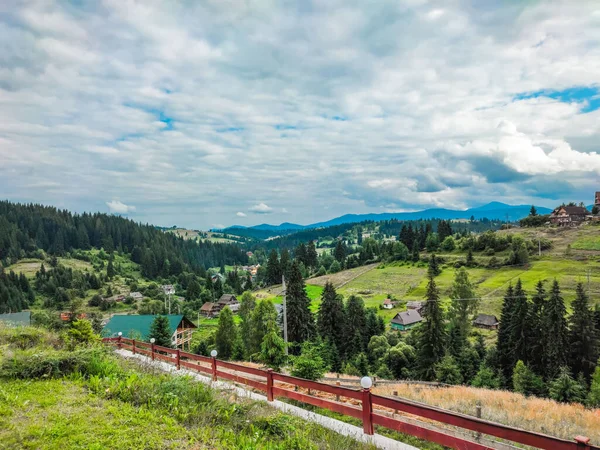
[(216, 112)]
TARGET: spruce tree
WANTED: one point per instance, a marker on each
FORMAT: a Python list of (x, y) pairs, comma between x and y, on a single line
[(504, 347), (311, 255), (110, 269), (356, 327), (300, 321), (262, 316), (463, 303), (434, 268), (160, 330), (285, 262), (226, 334), (583, 338), (273, 269), (519, 325), (536, 329), (340, 252), (247, 306), (331, 318), (566, 389), (556, 333), (272, 352), (415, 252), (432, 334)]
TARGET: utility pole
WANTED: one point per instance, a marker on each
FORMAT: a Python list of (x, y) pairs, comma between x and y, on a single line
[(285, 335)]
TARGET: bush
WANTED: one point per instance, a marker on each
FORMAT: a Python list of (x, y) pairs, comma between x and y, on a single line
[(32, 363)]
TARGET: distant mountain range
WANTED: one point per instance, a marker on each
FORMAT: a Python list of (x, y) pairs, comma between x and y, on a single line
[(493, 210)]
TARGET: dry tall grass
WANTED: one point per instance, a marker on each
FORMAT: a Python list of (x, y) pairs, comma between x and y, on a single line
[(545, 416)]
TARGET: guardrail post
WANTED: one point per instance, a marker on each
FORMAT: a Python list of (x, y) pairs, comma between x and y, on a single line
[(367, 410), (152, 350), (337, 396), (395, 394), (583, 442), (269, 385), (214, 368), (133, 346), (119, 344), (178, 356)]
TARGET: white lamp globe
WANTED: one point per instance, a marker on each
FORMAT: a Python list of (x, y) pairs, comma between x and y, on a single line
[(213, 353), (366, 382), (120, 333), (152, 340)]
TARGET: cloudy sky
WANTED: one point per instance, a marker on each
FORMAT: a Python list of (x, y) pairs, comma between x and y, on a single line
[(215, 112)]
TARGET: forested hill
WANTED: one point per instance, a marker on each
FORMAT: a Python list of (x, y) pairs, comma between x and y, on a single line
[(26, 228)]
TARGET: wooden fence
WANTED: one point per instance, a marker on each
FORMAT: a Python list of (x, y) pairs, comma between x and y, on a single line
[(267, 382)]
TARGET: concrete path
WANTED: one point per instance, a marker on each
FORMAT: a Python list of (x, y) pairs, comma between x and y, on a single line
[(338, 426)]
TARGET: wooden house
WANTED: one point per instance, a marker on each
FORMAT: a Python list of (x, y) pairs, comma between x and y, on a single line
[(569, 215), (138, 327), (387, 304), (406, 320), (210, 309), (415, 306), (486, 321), (229, 300)]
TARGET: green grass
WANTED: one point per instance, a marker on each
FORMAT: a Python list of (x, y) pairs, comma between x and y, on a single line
[(587, 243), (103, 402)]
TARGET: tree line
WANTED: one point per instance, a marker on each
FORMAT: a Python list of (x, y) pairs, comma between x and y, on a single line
[(27, 228)]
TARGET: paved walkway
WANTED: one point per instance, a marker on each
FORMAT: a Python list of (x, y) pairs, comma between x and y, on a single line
[(338, 426)]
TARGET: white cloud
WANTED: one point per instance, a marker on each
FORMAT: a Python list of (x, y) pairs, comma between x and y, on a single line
[(116, 206), (240, 214), (167, 106), (261, 208)]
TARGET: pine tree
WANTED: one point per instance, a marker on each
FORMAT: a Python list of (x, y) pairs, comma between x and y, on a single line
[(226, 334), (247, 305), (356, 327), (470, 262), (285, 262), (556, 337), (536, 329), (309, 365), (273, 269), (519, 325), (300, 253), (110, 269), (533, 211), (193, 290), (415, 252), (300, 321), (434, 268), (273, 348), (340, 252), (525, 381), (160, 330), (311, 255), (565, 389), (447, 371), (262, 316), (593, 400), (331, 318), (218, 289), (361, 363), (463, 303), (504, 347), (583, 338), (238, 353), (432, 334)]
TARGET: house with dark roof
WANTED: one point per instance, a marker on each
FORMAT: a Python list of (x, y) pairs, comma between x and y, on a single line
[(406, 320), (486, 321), (229, 300), (565, 216), (210, 309), (415, 305), (19, 319), (138, 327)]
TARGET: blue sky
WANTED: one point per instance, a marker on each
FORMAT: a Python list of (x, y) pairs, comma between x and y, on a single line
[(215, 112)]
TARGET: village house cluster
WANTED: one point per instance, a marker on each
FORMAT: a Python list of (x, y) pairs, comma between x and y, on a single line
[(572, 215)]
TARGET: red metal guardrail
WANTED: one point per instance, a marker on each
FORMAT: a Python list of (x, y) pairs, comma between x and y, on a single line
[(368, 400)]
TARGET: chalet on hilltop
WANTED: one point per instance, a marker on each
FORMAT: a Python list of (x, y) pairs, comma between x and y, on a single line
[(210, 309), (229, 300), (486, 321), (566, 216), (406, 320), (138, 327)]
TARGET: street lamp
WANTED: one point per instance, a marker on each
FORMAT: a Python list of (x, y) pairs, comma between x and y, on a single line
[(152, 340), (366, 382), (213, 353), (120, 333)]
